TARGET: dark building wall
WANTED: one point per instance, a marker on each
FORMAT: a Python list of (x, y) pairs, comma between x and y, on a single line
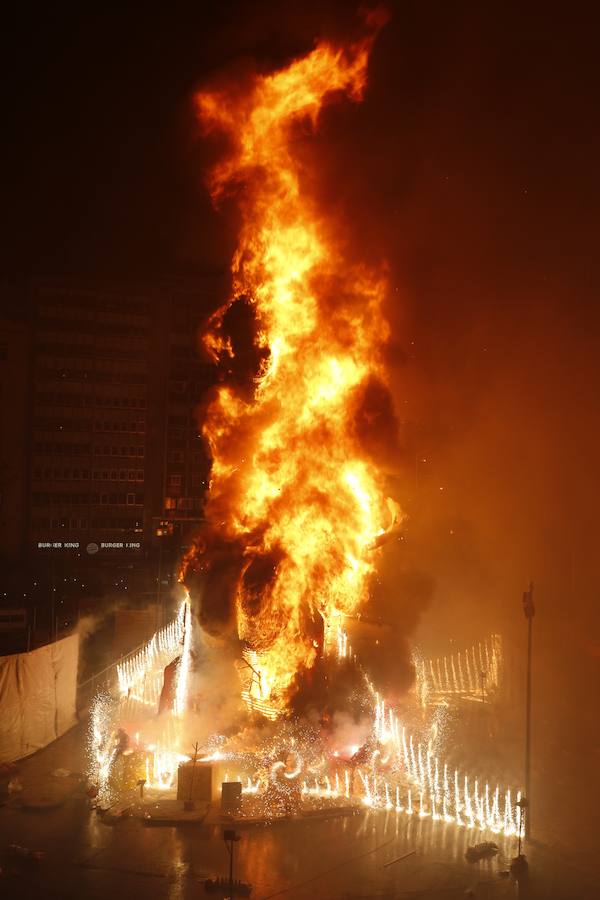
[(115, 455), (14, 392), (89, 414), (186, 465), (99, 428)]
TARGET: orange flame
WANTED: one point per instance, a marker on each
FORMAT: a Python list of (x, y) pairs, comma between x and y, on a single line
[(290, 479)]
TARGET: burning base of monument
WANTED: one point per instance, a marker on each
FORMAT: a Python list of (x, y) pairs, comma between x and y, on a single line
[(141, 737)]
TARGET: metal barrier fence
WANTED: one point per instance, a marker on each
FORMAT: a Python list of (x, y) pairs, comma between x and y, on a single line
[(86, 690), (106, 679)]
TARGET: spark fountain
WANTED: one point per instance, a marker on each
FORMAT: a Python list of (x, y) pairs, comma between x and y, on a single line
[(119, 720)]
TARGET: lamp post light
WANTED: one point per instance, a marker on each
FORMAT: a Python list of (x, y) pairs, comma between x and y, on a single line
[(519, 865), (483, 675), (529, 610)]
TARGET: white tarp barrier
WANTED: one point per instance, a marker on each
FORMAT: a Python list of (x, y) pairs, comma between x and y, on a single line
[(37, 697)]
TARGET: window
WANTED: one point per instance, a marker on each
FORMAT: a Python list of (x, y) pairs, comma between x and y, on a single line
[(132, 475), (41, 524), (175, 480), (130, 499), (176, 456), (113, 474)]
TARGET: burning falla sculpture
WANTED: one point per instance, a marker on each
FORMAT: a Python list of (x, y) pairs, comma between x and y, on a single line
[(299, 430), (297, 505)]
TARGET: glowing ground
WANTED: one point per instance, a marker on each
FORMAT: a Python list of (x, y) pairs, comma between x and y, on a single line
[(341, 857)]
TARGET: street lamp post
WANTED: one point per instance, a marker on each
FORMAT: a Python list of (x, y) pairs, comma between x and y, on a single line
[(230, 838), (529, 610)]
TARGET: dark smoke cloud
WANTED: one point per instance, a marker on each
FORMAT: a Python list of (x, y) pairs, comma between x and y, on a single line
[(329, 690), (400, 599), (376, 425), (211, 576), (243, 364)]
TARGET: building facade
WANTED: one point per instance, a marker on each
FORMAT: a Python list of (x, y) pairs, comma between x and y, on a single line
[(14, 431), (90, 425), (189, 376), (115, 457)]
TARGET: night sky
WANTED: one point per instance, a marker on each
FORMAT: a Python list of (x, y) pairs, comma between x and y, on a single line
[(471, 166)]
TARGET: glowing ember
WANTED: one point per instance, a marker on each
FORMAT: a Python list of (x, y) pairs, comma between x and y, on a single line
[(161, 767)]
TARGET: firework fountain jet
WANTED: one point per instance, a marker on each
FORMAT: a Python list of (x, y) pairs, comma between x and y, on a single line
[(295, 488)]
